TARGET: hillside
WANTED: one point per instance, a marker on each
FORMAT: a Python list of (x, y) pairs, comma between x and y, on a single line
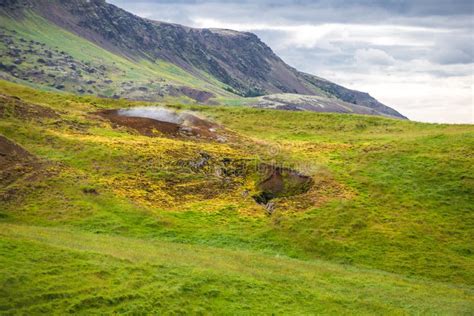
[(91, 47), (102, 211), (154, 168)]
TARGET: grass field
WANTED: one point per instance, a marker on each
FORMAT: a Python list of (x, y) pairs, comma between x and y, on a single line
[(84, 272), (107, 220)]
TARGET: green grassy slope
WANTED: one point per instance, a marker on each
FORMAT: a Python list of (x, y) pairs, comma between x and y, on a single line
[(82, 273), (389, 195), (413, 189)]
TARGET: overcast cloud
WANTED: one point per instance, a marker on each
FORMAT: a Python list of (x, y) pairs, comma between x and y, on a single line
[(415, 56)]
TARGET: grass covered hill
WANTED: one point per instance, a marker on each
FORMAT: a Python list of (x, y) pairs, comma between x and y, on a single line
[(102, 214)]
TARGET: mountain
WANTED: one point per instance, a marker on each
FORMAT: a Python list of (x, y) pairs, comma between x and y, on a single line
[(92, 47)]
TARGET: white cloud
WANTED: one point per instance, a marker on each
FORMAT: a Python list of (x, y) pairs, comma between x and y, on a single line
[(414, 91), (309, 36), (372, 56), (451, 55)]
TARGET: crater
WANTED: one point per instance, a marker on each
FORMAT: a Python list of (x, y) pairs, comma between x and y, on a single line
[(280, 182)]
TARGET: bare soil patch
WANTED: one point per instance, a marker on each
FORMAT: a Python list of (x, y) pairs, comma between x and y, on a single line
[(15, 162), (191, 126), (14, 106)]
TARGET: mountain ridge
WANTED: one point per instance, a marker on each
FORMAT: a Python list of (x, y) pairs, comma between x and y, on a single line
[(240, 61)]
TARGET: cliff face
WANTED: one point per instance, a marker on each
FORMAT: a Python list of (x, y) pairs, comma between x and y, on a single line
[(240, 60)]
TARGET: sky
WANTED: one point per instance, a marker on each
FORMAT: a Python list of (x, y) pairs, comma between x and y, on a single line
[(416, 56)]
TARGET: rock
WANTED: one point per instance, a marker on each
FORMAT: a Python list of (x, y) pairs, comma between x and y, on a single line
[(221, 139), (6, 67), (188, 131), (201, 162), (270, 208)]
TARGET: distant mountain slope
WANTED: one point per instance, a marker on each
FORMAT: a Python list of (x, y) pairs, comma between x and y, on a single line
[(351, 96), (297, 102), (223, 61)]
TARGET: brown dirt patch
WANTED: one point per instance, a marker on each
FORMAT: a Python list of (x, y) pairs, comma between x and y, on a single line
[(14, 106), (144, 126), (11, 152), (15, 162), (193, 127), (17, 165)]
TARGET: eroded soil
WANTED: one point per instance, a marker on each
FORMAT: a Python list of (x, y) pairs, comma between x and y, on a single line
[(15, 162), (16, 107), (191, 126), (281, 182)]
